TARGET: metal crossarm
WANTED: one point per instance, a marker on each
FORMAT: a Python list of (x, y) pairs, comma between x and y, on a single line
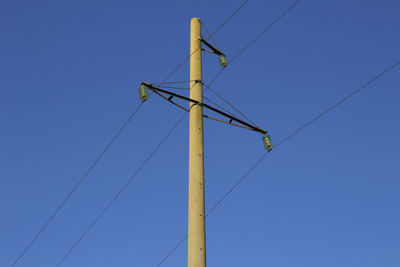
[(221, 56), (231, 118), (214, 50)]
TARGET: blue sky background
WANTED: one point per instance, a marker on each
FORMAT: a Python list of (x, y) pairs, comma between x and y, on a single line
[(69, 77)]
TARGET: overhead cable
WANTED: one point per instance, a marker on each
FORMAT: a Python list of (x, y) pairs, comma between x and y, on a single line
[(256, 38), (284, 140), (231, 105), (109, 204), (83, 177)]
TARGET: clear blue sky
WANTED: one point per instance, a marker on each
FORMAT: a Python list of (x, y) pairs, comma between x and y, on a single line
[(69, 77)]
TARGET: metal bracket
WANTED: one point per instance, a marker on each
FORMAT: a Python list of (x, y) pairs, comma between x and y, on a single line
[(214, 50), (209, 51)]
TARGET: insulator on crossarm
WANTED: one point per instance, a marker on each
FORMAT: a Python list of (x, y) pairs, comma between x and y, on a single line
[(267, 142), (223, 61), (143, 92)]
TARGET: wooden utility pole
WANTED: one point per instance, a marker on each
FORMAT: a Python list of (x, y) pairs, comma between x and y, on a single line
[(196, 220)]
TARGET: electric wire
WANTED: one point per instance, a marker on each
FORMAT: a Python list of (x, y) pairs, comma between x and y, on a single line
[(171, 82), (178, 122), (338, 103), (232, 106), (27, 247), (227, 19), (294, 133), (83, 177), (172, 250), (173, 87), (241, 52), (265, 30), (59, 207), (284, 140), (286, 11), (256, 38), (121, 190), (209, 35), (217, 105)]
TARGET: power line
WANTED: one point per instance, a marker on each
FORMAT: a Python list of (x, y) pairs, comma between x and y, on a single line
[(320, 115), (77, 185), (338, 103), (172, 250), (265, 30), (232, 106), (120, 191), (90, 169), (209, 35), (256, 38), (215, 206), (215, 104), (227, 19), (241, 52), (171, 82), (284, 140), (174, 87), (88, 172)]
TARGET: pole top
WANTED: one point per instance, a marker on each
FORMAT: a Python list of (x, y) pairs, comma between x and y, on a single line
[(194, 19)]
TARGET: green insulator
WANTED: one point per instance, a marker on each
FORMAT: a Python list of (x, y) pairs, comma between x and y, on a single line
[(267, 142), (223, 61), (143, 92)]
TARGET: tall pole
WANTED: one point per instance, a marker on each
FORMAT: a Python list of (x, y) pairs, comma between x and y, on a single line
[(196, 220)]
